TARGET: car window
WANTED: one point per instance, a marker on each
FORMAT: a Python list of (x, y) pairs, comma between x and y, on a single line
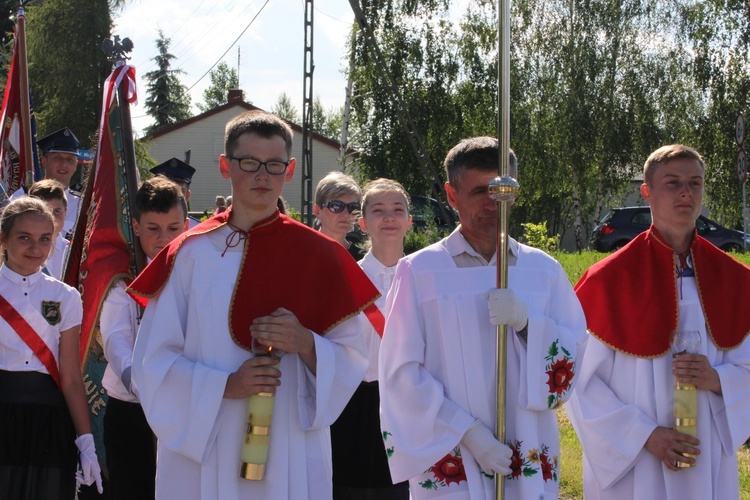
[(704, 225), (642, 217)]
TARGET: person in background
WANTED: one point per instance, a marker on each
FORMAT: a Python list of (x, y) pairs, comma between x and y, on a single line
[(53, 193), (60, 161), (180, 172), (360, 462), (667, 279), (437, 358), (42, 399), (159, 215), (221, 205), (337, 204)]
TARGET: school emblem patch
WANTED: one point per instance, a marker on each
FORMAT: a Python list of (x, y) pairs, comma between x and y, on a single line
[(51, 312)]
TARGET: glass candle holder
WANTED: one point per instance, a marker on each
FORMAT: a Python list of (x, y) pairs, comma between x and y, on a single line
[(685, 395)]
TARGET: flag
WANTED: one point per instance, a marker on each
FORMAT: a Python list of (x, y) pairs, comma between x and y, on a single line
[(18, 150), (101, 251)]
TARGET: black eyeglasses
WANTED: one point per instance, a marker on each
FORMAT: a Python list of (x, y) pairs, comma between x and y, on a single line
[(253, 165), (337, 206)]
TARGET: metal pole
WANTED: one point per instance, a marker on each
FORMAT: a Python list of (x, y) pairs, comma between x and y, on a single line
[(744, 216), (503, 189)]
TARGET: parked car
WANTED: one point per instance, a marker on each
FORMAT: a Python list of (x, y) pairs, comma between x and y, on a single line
[(424, 209), (621, 225)]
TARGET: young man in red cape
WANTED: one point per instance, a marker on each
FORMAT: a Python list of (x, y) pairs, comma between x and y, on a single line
[(667, 279), (249, 276)]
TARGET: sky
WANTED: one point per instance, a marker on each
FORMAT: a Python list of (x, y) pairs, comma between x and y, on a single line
[(271, 49)]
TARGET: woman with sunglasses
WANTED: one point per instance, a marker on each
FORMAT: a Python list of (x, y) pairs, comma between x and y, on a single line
[(337, 204)]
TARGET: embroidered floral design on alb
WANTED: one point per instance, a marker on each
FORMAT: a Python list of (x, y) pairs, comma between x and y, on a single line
[(449, 469), (560, 373)]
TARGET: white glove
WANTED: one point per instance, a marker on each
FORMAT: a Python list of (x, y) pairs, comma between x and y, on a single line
[(491, 455), (90, 470), (507, 309)]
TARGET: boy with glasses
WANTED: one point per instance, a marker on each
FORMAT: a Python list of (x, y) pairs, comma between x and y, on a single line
[(249, 276)]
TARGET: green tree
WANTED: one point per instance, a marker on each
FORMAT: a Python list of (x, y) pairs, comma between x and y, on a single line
[(327, 122), (285, 109), (66, 64), (167, 100), (223, 78)]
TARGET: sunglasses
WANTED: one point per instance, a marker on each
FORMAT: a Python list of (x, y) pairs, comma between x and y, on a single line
[(337, 206)]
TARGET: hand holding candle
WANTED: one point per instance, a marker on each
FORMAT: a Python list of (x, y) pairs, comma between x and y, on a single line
[(259, 418)]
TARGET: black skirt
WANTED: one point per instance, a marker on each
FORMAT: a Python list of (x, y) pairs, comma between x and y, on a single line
[(360, 463), (38, 455)]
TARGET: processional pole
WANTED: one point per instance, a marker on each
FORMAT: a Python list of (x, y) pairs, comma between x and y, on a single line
[(503, 189)]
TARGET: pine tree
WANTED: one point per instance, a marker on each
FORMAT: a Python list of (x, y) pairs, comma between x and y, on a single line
[(168, 100)]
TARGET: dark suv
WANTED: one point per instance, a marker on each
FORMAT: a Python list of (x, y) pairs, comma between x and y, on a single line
[(621, 225)]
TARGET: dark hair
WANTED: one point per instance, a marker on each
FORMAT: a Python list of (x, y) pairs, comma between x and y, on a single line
[(158, 194), (49, 189), (258, 122), (480, 153), (28, 205)]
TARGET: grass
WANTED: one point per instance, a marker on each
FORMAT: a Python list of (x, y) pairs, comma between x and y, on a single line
[(571, 465)]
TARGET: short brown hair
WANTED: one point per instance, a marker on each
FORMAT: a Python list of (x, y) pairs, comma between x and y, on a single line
[(258, 122), (158, 194), (666, 154), (479, 153), (49, 189)]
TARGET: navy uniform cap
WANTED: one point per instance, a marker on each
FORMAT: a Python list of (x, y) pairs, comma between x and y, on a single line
[(175, 169), (61, 141)]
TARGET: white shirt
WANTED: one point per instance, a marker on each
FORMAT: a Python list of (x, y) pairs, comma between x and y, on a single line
[(382, 277), (57, 257), (71, 217), (465, 256), (119, 324), (28, 295)]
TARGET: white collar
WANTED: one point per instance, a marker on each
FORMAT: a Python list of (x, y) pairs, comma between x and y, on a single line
[(17, 279), (456, 244)]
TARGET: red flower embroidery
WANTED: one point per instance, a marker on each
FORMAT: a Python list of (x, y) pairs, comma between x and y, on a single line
[(516, 462), (560, 374), (546, 467), (450, 469)]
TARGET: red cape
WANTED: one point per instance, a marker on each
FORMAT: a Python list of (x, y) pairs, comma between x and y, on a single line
[(630, 298), (284, 264)]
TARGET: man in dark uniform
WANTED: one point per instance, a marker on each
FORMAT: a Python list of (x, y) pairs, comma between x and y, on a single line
[(180, 172), (60, 160)]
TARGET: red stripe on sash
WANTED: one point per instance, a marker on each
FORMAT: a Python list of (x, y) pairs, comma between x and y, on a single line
[(377, 320), (31, 337)]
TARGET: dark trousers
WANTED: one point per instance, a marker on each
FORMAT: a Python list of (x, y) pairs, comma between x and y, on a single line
[(131, 457)]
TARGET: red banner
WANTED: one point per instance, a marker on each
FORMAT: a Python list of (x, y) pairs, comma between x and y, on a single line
[(14, 139), (101, 248)]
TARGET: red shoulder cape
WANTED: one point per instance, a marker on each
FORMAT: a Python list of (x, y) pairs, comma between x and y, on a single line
[(631, 303), (284, 264)]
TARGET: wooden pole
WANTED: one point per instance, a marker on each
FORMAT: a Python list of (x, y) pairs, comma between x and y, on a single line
[(23, 80)]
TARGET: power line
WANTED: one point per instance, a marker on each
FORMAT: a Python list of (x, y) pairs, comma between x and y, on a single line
[(230, 47)]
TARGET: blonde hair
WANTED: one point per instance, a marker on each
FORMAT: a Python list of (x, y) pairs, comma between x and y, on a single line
[(336, 184), (666, 154)]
